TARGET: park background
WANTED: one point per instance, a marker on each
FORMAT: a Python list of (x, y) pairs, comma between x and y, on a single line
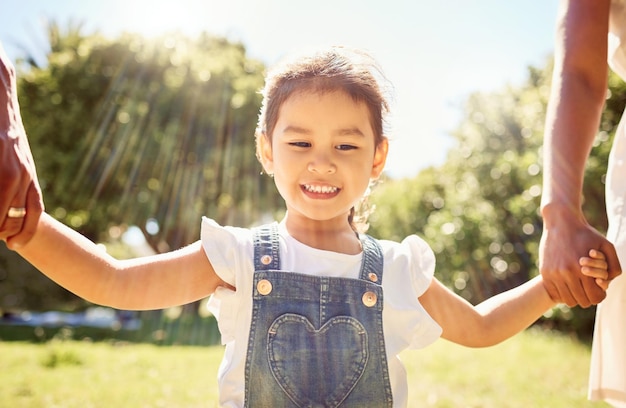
[(137, 136)]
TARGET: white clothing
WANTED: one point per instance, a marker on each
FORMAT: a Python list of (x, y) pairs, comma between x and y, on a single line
[(617, 38), (408, 271), (607, 380)]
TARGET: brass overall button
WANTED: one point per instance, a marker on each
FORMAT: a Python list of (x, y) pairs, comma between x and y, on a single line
[(373, 277), (369, 299), (264, 287), (266, 259)]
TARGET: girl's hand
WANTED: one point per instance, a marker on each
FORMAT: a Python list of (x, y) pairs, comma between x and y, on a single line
[(595, 266)]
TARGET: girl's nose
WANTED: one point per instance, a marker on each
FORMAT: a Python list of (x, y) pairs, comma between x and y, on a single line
[(321, 165)]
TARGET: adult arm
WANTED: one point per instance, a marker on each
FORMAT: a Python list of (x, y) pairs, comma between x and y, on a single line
[(151, 282), (577, 98), (19, 187)]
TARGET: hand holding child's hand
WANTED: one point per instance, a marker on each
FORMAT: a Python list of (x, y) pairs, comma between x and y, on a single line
[(595, 266)]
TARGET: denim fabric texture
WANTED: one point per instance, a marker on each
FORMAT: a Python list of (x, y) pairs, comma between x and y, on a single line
[(315, 341)]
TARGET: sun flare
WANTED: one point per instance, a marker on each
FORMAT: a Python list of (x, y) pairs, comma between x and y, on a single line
[(154, 18)]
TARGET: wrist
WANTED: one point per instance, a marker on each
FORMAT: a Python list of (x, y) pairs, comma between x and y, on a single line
[(556, 213)]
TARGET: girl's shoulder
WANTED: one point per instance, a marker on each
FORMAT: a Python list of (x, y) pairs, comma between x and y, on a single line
[(211, 227), (411, 241), (229, 249), (411, 260), (412, 248)]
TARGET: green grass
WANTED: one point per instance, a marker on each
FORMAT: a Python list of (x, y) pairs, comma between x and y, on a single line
[(534, 369)]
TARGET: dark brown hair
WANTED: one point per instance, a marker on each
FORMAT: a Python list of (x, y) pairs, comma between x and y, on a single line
[(332, 69)]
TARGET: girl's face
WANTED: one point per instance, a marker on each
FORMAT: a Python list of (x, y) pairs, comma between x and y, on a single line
[(322, 154)]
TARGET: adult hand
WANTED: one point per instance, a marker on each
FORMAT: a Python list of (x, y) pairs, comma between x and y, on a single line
[(562, 244), (19, 188)]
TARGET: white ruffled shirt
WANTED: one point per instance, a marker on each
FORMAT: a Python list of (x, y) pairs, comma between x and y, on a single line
[(408, 270)]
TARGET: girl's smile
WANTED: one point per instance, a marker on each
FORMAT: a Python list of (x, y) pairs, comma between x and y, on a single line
[(317, 191)]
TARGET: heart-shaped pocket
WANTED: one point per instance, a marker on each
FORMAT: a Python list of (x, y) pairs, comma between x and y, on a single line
[(317, 367)]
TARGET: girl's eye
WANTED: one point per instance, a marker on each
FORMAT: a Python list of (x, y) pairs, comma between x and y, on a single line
[(300, 144), (346, 147)]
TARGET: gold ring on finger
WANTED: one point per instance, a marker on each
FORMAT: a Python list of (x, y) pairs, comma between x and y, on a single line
[(16, 212)]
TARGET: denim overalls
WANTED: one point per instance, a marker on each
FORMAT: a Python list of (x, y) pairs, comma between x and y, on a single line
[(315, 341)]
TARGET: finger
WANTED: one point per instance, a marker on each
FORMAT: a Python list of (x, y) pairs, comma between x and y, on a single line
[(552, 290), (595, 254), (580, 291), (593, 293), (593, 263), (566, 295), (615, 268), (585, 260), (15, 186), (604, 284), (595, 272), (13, 225), (34, 208), (10, 188)]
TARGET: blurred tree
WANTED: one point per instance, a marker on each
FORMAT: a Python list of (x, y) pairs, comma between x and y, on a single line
[(154, 134), (479, 210), (147, 133)]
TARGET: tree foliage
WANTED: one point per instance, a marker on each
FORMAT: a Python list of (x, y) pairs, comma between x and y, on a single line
[(128, 131), (147, 133), (479, 210)]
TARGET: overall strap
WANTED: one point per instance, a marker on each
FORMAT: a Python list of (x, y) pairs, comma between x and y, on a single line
[(266, 254), (372, 265)]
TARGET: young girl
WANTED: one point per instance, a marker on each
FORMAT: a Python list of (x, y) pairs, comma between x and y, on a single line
[(312, 313)]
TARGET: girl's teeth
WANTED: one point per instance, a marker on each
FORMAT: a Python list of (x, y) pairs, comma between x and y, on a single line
[(320, 189)]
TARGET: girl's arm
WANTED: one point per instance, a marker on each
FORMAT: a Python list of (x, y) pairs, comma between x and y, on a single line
[(501, 316), (494, 320), (152, 282)]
